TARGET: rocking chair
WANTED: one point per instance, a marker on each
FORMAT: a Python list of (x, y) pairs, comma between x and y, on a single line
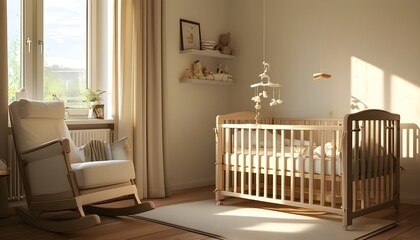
[(57, 180)]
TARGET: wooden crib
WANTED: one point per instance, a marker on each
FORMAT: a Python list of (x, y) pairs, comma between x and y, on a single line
[(345, 166)]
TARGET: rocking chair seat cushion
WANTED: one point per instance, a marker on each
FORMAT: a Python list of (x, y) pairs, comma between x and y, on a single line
[(103, 173)]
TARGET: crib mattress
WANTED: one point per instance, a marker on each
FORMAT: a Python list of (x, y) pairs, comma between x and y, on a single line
[(296, 163)]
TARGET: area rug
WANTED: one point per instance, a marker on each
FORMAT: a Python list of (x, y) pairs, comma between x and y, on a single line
[(233, 221)]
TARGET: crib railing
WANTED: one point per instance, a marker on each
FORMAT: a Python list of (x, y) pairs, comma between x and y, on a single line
[(276, 162), (349, 167), (304, 164)]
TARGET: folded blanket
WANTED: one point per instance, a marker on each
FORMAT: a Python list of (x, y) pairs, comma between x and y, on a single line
[(95, 150)]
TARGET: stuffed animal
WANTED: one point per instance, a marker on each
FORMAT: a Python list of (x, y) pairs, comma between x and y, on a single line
[(187, 74), (206, 71), (197, 72), (223, 46)]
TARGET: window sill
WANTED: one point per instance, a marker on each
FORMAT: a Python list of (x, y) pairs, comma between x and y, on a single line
[(89, 123)]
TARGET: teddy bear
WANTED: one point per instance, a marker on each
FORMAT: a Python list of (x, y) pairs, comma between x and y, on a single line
[(223, 45)]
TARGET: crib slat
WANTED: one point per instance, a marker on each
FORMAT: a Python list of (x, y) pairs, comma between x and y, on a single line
[(377, 161), (266, 164), (301, 167), (323, 182), (243, 161), (258, 159), (227, 160), (389, 164), (356, 169), (275, 172), (382, 160), (235, 164), (251, 163), (333, 167), (283, 166), (311, 168), (293, 175)]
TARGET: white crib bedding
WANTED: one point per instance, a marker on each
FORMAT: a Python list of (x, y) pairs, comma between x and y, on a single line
[(275, 162)]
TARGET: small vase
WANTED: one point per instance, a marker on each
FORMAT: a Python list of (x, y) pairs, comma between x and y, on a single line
[(91, 113)]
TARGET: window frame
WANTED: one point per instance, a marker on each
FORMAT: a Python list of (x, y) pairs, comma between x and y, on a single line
[(100, 43), (32, 61)]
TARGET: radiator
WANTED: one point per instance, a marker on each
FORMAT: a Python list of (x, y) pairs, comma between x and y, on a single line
[(80, 137)]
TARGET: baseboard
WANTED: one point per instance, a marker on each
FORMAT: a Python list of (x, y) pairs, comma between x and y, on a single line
[(201, 183), (410, 199)]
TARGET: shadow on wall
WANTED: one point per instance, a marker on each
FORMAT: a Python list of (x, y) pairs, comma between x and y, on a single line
[(410, 146), (410, 163), (357, 105)]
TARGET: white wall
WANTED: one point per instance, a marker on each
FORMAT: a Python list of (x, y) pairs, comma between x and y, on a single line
[(190, 110), (370, 47)]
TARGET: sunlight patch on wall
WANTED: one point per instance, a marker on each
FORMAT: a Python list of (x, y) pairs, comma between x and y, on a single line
[(410, 133), (367, 85), (405, 96)]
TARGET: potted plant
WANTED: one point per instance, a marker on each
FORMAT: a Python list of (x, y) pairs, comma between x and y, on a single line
[(93, 100)]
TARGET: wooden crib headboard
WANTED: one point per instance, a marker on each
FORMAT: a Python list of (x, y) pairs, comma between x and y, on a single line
[(373, 138)]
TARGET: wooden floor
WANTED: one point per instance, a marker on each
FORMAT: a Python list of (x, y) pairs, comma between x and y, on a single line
[(132, 228)]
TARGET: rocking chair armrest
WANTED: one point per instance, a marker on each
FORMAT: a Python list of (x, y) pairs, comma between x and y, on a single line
[(48, 149)]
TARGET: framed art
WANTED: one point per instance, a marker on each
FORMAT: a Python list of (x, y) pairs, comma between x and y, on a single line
[(190, 35)]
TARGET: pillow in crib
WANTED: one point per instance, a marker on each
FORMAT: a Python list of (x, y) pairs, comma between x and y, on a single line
[(254, 138), (296, 142), (328, 150)]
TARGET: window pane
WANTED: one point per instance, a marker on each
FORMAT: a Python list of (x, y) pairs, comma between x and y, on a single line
[(13, 47), (65, 56)]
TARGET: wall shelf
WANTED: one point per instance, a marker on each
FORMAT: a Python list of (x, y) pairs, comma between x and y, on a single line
[(204, 81), (207, 53), (211, 54)]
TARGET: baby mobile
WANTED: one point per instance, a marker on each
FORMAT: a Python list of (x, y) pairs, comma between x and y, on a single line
[(265, 81), (264, 84)]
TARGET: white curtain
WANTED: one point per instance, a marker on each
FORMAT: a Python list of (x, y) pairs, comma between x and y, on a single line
[(137, 89), (3, 80)]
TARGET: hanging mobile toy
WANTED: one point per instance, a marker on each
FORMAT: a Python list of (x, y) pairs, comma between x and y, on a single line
[(265, 82)]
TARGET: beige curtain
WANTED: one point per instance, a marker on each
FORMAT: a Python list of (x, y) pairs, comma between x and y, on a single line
[(138, 89), (3, 80)]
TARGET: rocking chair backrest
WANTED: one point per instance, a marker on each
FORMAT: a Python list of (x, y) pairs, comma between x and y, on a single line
[(35, 122)]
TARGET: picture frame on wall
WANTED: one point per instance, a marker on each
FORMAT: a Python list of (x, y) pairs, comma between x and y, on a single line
[(190, 35)]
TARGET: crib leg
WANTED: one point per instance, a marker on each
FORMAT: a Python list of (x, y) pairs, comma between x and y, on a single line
[(397, 208), (219, 197), (218, 203)]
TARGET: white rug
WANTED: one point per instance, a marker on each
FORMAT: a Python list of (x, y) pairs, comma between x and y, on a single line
[(234, 222)]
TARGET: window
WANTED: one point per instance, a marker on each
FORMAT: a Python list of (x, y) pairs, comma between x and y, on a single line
[(47, 45), (13, 47)]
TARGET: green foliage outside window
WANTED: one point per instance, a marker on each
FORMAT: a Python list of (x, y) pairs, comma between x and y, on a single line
[(65, 83), (13, 70)]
